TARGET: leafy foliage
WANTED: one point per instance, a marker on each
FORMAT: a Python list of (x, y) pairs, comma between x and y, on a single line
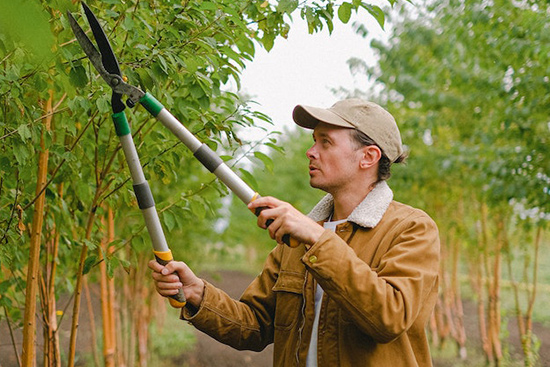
[(471, 87), (184, 53)]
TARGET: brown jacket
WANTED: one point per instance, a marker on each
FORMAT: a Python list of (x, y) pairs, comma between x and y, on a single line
[(379, 272)]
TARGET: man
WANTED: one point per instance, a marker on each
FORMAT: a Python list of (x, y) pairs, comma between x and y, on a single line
[(360, 287)]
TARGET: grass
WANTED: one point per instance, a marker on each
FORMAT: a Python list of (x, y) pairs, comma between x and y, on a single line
[(169, 343), (446, 356)]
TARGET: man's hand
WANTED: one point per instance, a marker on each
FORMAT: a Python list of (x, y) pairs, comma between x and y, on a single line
[(286, 220), (177, 275)]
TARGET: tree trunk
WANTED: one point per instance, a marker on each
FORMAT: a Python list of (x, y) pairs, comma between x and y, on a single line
[(440, 311), (143, 311), (433, 330), (482, 263), (29, 323), (121, 328), (52, 353), (525, 320), (79, 281), (494, 298), (93, 329), (12, 336), (528, 339), (458, 312), (107, 295)]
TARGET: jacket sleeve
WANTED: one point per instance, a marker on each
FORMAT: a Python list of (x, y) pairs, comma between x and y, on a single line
[(383, 302), (242, 324)]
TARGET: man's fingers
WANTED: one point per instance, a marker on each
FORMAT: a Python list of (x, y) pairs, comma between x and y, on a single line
[(167, 281), (277, 229), (165, 292), (268, 201), (169, 278), (280, 230), (155, 266), (169, 285)]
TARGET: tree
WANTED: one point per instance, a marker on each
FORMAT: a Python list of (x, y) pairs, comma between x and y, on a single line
[(182, 52), (468, 83)]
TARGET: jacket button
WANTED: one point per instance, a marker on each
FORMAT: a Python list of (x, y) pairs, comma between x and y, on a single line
[(313, 259)]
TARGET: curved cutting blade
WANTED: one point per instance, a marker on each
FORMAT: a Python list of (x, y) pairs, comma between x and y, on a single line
[(107, 55), (103, 60)]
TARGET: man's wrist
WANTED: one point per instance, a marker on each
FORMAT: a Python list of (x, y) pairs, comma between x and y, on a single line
[(197, 294), (316, 235)]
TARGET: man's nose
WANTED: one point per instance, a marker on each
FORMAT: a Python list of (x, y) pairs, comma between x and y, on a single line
[(311, 153)]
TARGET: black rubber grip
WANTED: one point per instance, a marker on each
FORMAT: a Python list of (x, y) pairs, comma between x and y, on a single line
[(144, 196), (180, 297), (208, 157), (286, 237)]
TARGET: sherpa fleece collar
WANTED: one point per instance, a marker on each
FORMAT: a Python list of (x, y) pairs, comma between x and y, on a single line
[(367, 214)]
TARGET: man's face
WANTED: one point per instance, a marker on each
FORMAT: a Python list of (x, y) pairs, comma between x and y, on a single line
[(333, 158)]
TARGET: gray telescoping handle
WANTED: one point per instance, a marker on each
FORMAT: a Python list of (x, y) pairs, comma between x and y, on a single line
[(206, 156), (145, 200)]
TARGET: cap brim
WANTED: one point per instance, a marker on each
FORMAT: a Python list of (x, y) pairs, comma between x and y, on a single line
[(309, 117)]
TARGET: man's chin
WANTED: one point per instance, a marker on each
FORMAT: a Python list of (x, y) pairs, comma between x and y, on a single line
[(316, 185)]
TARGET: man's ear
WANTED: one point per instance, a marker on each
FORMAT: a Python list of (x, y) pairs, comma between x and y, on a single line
[(370, 156)]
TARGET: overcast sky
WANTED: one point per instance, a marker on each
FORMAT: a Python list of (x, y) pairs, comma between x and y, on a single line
[(303, 68)]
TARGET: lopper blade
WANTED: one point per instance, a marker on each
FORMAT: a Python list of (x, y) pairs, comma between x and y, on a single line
[(105, 61), (107, 55), (87, 45)]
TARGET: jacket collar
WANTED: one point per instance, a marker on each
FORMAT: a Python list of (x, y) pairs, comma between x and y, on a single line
[(367, 214)]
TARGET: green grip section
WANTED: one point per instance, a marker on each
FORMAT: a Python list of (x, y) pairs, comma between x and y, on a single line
[(121, 123), (151, 104)]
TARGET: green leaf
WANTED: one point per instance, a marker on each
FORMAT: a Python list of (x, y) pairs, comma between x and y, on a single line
[(89, 263), (266, 160), (275, 147), (125, 264), (169, 220), (207, 5), (232, 55), (268, 41), (111, 13), (376, 12), (344, 12), (248, 178), (103, 104), (24, 132), (21, 153), (78, 76), (163, 63), (145, 78), (91, 245), (197, 208), (287, 6), (114, 263)]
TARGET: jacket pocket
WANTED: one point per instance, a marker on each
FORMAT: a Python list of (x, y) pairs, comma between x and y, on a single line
[(288, 289)]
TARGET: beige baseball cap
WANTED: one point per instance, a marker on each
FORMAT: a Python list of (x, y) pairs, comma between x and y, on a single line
[(364, 116)]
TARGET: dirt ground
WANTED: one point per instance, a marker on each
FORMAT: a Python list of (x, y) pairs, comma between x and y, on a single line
[(210, 353)]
